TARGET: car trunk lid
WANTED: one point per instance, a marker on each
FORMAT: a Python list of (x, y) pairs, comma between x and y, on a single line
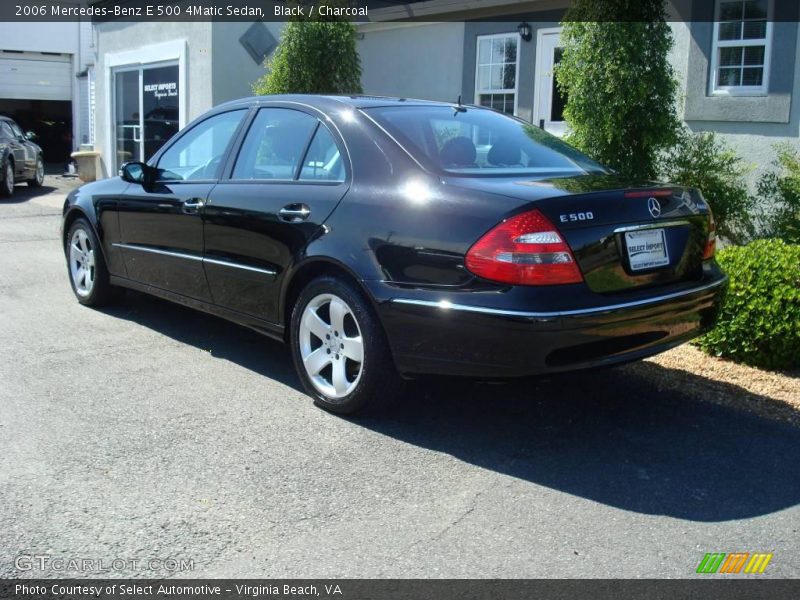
[(623, 235)]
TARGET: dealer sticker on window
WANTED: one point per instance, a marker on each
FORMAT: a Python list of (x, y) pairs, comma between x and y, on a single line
[(646, 249)]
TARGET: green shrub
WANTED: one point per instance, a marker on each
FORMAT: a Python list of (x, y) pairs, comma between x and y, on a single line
[(779, 191), (620, 86), (701, 160), (760, 319), (316, 55)]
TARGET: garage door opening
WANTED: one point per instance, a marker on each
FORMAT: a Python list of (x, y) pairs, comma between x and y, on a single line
[(50, 120), (36, 91)]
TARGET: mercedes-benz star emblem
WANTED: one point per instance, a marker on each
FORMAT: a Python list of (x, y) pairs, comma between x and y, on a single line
[(654, 207)]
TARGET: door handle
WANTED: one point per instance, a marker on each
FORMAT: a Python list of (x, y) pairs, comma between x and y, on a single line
[(294, 213), (193, 205)]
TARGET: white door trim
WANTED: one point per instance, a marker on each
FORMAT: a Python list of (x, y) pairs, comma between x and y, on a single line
[(542, 63)]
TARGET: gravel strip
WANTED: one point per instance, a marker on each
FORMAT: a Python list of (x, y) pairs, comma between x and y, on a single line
[(771, 394)]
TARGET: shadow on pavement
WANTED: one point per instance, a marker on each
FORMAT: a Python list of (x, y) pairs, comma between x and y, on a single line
[(23, 192), (635, 437), (223, 339), (628, 437)]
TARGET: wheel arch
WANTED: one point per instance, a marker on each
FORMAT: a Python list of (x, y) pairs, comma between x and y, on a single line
[(72, 215), (307, 271)]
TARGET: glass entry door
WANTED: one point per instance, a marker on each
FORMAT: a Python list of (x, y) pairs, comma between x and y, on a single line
[(550, 101), (127, 112), (146, 110)]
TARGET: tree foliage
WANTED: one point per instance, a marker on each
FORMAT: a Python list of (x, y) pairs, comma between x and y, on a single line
[(316, 55), (779, 192), (620, 86), (703, 161)]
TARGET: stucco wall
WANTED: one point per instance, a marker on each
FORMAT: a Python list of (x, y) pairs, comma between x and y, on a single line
[(749, 125), (234, 69), (755, 141), (417, 61)]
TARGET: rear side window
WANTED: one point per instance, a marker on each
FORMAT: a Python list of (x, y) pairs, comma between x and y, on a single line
[(323, 161), (274, 145)]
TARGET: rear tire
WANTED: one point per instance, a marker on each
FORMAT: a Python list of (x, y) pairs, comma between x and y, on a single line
[(86, 266), (7, 186), (38, 175), (340, 350)]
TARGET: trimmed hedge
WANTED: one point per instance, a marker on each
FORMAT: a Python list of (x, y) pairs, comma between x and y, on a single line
[(759, 323)]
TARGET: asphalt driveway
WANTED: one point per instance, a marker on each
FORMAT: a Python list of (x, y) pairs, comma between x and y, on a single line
[(149, 431)]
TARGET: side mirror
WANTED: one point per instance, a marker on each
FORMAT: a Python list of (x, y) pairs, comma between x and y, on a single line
[(134, 172), (30, 135)]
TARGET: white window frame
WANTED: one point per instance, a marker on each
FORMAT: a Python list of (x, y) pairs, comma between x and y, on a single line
[(717, 44), (515, 90)]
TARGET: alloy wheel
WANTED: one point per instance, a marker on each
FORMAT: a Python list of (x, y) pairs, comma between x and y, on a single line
[(39, 171), (331, 346), (82, 262)]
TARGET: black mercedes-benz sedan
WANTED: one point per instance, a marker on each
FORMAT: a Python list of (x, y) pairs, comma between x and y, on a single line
[(384, 238)]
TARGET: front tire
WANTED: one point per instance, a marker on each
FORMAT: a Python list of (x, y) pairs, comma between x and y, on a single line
[(7, 187), (86, 266), (340, 350), (38, 174)]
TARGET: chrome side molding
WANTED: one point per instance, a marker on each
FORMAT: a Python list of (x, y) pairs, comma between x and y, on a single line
[(213, 261), (157, 251), (233, 265)]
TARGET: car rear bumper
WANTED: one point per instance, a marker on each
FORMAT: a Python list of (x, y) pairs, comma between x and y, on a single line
[(453, 338)]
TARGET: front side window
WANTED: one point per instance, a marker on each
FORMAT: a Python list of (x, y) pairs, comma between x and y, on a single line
[(198, 154), (496, 75), (742, 44), (476, 141), (274, 144)]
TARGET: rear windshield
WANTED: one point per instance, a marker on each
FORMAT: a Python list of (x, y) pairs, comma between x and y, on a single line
[(475, 141)]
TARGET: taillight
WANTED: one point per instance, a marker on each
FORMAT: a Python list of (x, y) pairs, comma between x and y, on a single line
[(711, 240), (524, 250)]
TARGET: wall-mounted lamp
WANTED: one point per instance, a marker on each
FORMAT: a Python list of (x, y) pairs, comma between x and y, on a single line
[(524, 31)]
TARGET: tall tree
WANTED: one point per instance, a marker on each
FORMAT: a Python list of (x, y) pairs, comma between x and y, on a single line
[(620, 86), (315, 55)]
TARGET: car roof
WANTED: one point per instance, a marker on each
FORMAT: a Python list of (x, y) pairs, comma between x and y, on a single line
[(331, 101)]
